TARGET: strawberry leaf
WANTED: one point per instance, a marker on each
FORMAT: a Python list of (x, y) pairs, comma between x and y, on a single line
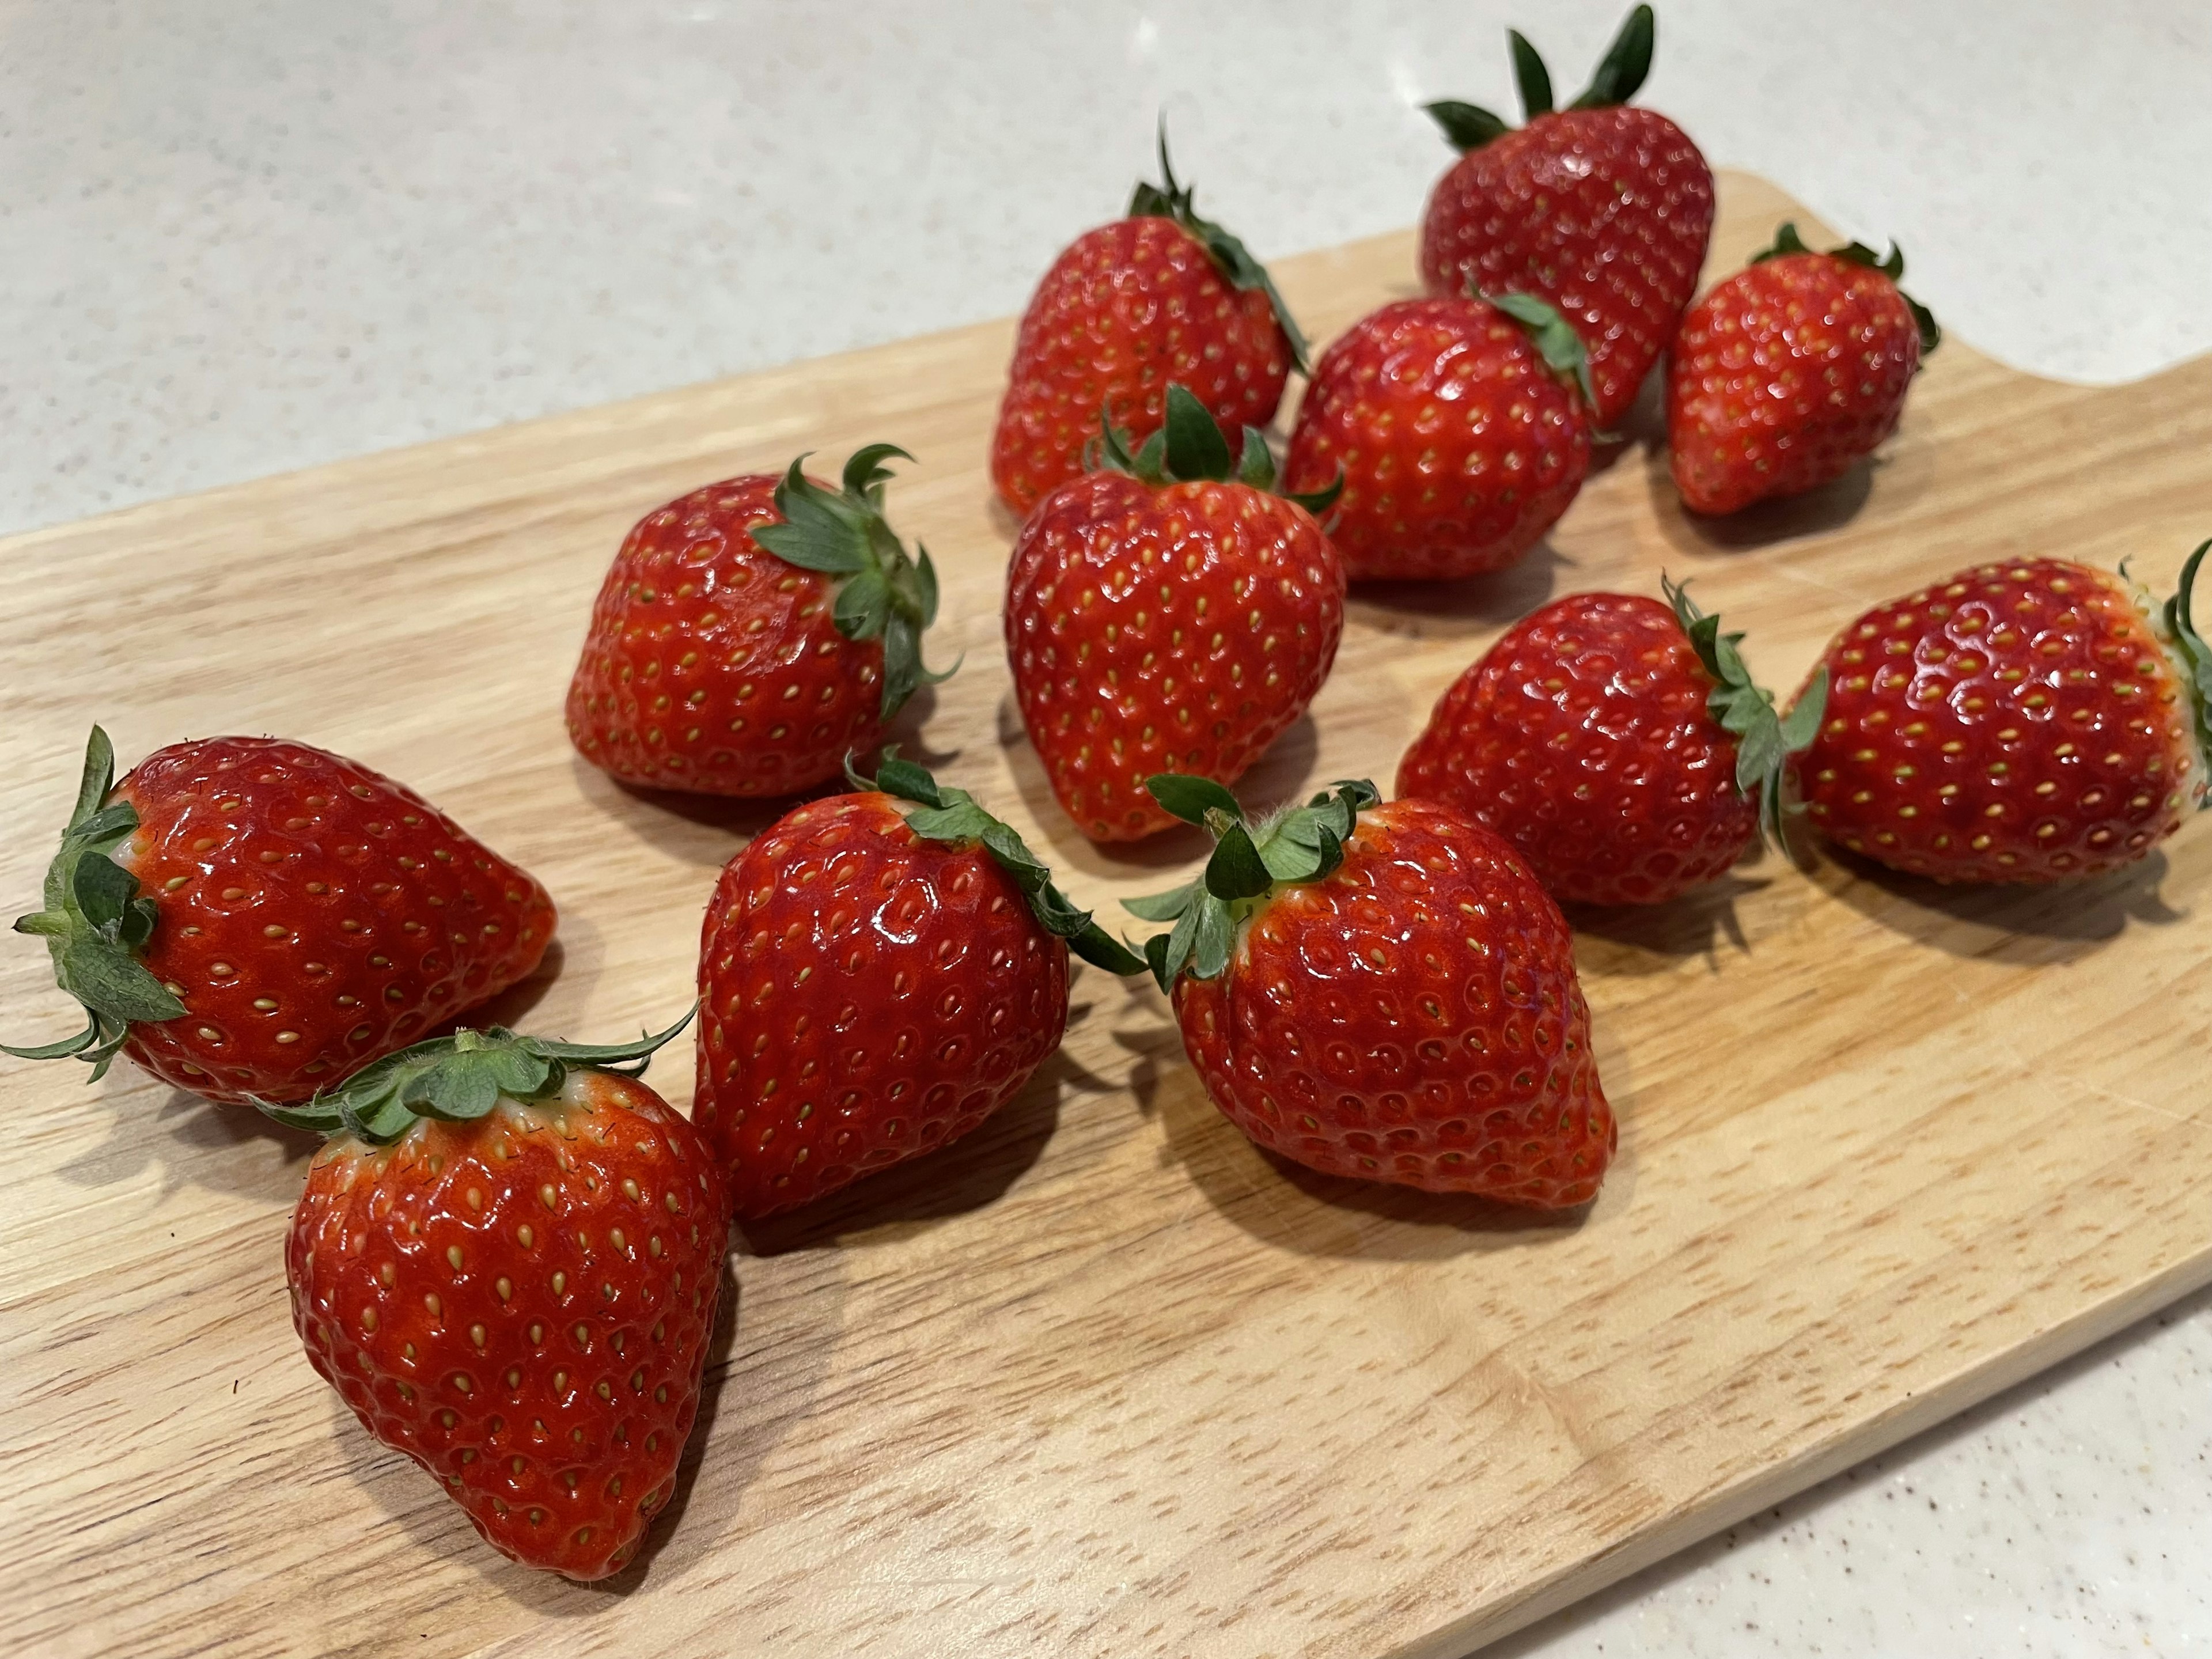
[(1196, 448), (1164, 906), (1621, 73), (1236, 871), (1255, 463), (1530, 76), (1170, 199), (2179, 627), (1554, 338), (1746, 710), (1192, 799), (1467, 127)]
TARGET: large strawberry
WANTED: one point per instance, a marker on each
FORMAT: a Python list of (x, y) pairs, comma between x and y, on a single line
[(751, 635), (1460, 428), (874, 984), (1620, 744), (1603, 209), (1784, 375), (2023, 721), (1384, 992), (1167, 612), (506, 1261), (1162, 296), (249, 918)]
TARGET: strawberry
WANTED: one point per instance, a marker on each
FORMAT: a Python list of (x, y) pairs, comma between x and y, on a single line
[(1601, 209), (1460, 428), (1163, 612), (1788, 373), (299, 916), (1619, 745), (506, 1261), (1384, 992), (752, 633), (1160, 296), (2023, 721), (874, 984)]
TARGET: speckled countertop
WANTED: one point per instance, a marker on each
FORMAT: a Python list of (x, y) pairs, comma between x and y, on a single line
[(237, 239)]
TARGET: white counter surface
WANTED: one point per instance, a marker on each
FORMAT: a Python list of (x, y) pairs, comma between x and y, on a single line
[(237, 239)]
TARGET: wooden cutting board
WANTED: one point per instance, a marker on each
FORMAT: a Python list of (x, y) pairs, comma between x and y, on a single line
[(1102, 1379)]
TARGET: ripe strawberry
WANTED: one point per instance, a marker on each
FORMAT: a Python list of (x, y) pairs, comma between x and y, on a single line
[(1619, 745), (751, 634), (1160, 296), (300, 915), (506, 1261), (874, 984), (2022, 722), (1384, 992), (1789, 372), (1162, 613), (1460, 428), (1601, 209)]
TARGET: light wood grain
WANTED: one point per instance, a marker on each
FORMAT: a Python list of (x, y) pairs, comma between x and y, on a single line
[(1102, 1379)]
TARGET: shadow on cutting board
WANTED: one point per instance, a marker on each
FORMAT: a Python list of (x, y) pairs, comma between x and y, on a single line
[(1474, 607), (2030, 925), (1294, 1208), (1763, 524)]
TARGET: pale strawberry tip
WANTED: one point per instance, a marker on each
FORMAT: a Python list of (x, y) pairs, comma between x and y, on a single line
[(1765, 738), (1891, 265), (1297, 844), (1620, 74), (954, 817), (95, 922), (458, 1077), (882, 593), (1169, 199)]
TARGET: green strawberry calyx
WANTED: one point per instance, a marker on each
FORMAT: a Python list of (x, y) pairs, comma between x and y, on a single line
[(2177, 630), (95, 922), (1555, 338), (1170, 199), (458, 1077), (1764, 737), (1192, 448), (1890, 264), (1620, 74), (953, 816), (1250, 862), (884, 594)]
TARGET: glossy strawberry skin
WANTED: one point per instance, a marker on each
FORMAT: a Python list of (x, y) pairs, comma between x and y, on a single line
[(1126, 309), (1583, 738), (713, 666), (1783, 377), (1605, 213), (2020, 722), (1164, 628), (1413, 1017), (865, 996), (1459, 448), (313, 915), (522, 1304)]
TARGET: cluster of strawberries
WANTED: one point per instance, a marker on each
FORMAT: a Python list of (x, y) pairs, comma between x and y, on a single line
[(508, 1255)]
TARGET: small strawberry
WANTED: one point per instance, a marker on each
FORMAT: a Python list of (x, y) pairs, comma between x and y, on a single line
[(1384, 992), (248, 918), (1460, 428), (1167, 612), (750, 633), (2025, 721), (1160, 296), (1787, 374), (1619, 745), (874, 984), (1602, 209), (506, 1261)]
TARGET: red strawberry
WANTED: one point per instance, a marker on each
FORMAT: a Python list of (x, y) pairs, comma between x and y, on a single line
[(1460, 429), (1164, 614), (506, 1261), (1788, 373), (1601, 209), (300, 915), (2022, 722), (873, 984), (1620, 746), (1384, 992), (1161, 296), (752, 633)]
